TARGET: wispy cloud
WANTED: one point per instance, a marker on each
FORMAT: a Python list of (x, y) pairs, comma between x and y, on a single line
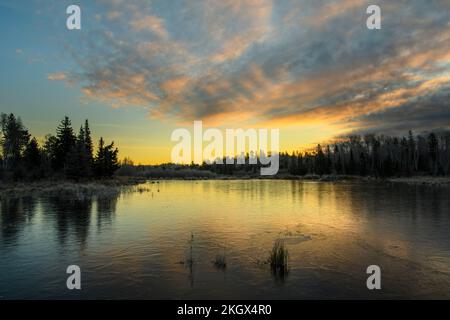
[(280, 61), (57, 76), (150, 23)]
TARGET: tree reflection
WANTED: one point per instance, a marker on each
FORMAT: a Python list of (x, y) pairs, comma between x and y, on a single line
[(106, 208), (72, 217), (15, 213)]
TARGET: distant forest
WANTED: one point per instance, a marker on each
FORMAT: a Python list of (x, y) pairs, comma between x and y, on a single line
[(71, 156), (64, 155), (368, 155)]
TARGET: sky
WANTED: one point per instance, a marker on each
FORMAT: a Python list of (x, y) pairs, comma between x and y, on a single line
[(138, 69)]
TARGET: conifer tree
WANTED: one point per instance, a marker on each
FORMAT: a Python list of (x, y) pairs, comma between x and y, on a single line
[(77, 162), (32, 155), (88, 146), (106, 160), (14, 139), (65, 142)]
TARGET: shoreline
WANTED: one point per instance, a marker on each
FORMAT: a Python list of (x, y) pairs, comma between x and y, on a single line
[(413, 180), (116, 185), (82, 190), (423, 181)]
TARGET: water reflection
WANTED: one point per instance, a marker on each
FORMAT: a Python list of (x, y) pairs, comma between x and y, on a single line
[(106, 209), (190, 261), (164, 244), (15, 213), (71, 217)]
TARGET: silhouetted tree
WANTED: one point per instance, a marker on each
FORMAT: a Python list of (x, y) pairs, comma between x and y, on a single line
[(32, 155), (106, 161), (65, 153), (14, 139), (371, 155), (49, 150), (412, 152), (320, 161), (433, 153), (89, 147), (65, 142), (78, 164), (32, 160)]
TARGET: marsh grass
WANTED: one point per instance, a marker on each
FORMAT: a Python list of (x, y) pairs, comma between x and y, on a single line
[(279, 258), (71, 190), (169, 171), (220, 262)]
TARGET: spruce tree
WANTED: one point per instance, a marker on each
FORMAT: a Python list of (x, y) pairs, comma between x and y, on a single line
[(106, 160), (88, 146), (14, 139), (99, 161), (77, 163), (433, 153), (65, 142), (32, 155)]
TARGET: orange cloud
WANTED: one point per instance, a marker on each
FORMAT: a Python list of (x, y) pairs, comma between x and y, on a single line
[(332, 10), (151, 23), (175, 85)]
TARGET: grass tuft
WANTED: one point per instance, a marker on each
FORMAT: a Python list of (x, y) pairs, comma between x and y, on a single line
[(278, 258), (220, 262)]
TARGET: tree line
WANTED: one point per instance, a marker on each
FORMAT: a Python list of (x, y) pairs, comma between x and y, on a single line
[(65, 154), (71, 155), (368, 155)]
